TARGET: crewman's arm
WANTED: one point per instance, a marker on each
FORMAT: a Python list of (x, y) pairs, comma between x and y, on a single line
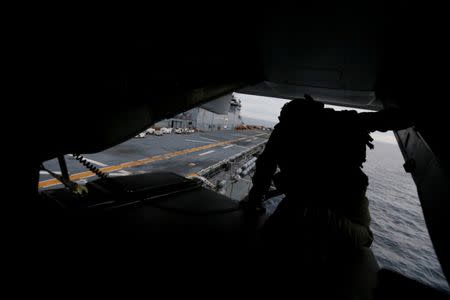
[(384, 120), (266, 165)]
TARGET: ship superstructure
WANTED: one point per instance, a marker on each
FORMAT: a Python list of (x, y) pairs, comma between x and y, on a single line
[(220, 114)]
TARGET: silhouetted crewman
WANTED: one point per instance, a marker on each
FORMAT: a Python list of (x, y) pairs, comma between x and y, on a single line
[(320, 153)]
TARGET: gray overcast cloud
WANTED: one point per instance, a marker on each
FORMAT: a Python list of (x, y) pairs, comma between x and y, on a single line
[(262, 108)]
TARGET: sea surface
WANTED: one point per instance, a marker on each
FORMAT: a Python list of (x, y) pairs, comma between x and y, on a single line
[(401, 239)]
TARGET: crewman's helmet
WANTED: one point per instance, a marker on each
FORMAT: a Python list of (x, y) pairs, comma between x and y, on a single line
[(300, 106)]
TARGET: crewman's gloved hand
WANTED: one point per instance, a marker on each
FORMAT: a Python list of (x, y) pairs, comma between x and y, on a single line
[(253, 204), (394, 119)]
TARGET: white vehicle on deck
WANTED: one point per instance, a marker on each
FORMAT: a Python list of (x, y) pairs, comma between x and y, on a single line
[(166, 130), (141, 135)]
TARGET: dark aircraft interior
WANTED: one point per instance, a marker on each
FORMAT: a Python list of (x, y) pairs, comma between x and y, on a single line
[(101, 83)]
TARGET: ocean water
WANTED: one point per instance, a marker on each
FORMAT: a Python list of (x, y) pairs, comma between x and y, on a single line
[(401, 240)]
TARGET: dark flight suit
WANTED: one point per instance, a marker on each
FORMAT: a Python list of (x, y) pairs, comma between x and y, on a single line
[(320, 154)]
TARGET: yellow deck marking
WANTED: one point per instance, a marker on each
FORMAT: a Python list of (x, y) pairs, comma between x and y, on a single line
[(140, 162), (191, 175)]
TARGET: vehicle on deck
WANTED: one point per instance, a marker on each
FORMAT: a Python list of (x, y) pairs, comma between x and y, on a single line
[(165, 130)]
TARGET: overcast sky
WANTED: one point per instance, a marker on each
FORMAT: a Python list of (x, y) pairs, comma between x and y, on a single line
[(263, 108), (268, 109)]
